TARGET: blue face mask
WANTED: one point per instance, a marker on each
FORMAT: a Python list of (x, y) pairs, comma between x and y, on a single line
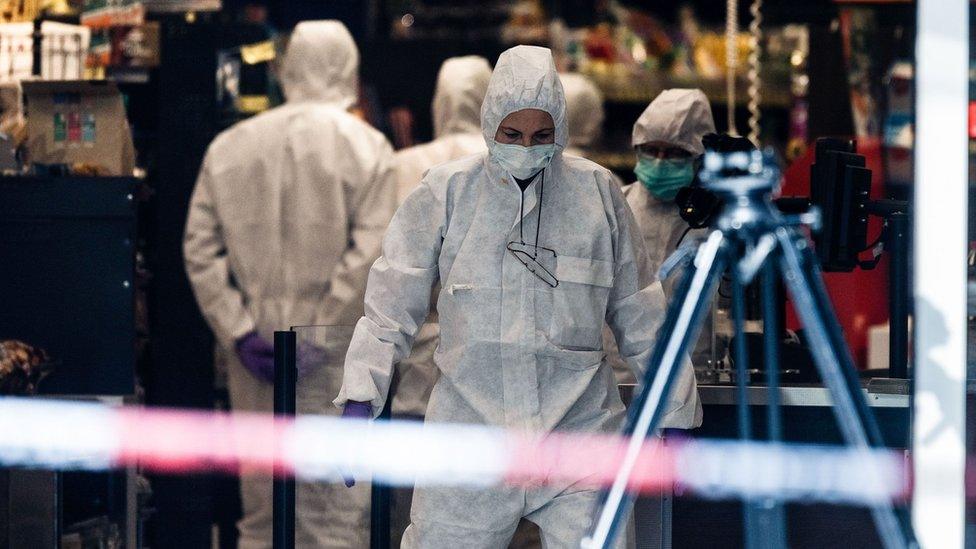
[(522, 162), (664, 178)]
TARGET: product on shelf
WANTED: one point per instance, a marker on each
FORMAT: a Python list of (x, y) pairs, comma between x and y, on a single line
[(78, 122), (22, 367)]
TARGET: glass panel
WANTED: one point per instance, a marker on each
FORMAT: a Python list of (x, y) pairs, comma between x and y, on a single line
[(327, 514)]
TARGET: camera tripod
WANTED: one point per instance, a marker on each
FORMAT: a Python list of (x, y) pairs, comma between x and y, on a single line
[(750, 238)]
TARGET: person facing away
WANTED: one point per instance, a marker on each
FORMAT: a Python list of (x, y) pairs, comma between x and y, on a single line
[(584, 112), (287, 215), (584, 116), (456, 109), (532, 250)]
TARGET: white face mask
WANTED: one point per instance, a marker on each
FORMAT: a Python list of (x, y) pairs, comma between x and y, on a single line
[(522, 162)]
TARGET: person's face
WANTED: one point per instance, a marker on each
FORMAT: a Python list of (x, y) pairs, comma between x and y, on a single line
[(527, 127), (663, 150)]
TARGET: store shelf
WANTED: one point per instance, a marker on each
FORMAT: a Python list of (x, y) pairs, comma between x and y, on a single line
[(129, 75), (102, 14), (644, 87)]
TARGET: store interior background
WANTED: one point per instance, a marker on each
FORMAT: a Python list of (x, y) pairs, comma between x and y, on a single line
[(854, 66)]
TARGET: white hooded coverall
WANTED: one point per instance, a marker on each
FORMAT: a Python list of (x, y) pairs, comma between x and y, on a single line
[(287, 216), (461, 86), (584, 112), (584, 115), (456, 110), (679, 117), (514, 351)]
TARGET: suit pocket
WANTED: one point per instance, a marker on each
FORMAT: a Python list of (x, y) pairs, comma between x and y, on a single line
[(579, 302)]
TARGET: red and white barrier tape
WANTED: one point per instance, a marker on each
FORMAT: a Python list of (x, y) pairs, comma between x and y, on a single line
[(68, 435)]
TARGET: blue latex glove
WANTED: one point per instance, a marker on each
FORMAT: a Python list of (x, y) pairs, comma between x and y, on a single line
[(355, 410), (257, 355)]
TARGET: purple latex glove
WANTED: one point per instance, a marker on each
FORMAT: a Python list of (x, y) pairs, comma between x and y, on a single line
[(355, 410), (257, 355), (311, 357)]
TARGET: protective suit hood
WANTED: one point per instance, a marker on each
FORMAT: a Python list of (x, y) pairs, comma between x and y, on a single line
[(461, 86), (321, 65), (525, 77), (584, 109), (677, 116)]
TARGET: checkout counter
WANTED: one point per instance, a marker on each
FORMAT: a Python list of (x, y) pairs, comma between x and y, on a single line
[(673, 520)]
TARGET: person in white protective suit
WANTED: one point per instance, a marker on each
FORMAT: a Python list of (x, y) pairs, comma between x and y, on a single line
[(287, 215), (456, 109), (584, 115), (667, 138), (533, 250), (584, 112)]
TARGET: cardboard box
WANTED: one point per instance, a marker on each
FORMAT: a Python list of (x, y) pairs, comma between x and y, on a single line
[(78, 122)]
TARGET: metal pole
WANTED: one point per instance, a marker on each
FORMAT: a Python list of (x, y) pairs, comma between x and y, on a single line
[(897, 247), (38, 38), (380, 500), (286, 374), (941, 215)]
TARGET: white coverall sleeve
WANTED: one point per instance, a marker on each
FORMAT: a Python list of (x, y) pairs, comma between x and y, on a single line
[(636, 311), (370, 207), (205, 259), (397, 299)]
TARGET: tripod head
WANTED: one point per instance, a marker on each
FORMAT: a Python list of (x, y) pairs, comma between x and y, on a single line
[(744, 182), (738, 173)]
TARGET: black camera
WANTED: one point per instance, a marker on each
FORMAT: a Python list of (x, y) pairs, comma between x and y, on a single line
[(697, 205)]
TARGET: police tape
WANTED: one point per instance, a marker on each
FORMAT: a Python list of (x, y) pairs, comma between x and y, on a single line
[(62, 435)]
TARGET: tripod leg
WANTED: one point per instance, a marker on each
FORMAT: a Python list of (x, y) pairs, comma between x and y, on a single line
[(855, 419), (764, 520), (833, 360), (741, 357), (684, 318), (750, 512), (771, 344), (768, 519)]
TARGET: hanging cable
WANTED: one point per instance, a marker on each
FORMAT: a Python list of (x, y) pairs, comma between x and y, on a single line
[(538, 219), (755, 64), (731, 60)]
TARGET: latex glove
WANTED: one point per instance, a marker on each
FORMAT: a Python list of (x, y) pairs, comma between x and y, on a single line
[(257, 355), (310, 358), (355, 410)]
